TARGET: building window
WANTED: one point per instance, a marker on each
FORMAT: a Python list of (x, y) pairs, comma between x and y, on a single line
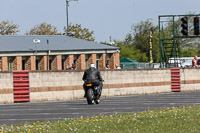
[(10, 63), (75, 59), (97, 64), (23, 64), (50, 63), (97, 60), (108, 58), (63, 62), (86, 61), (37, 63)]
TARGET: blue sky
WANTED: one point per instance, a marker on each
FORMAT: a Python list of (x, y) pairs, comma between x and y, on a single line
[(105, 17)]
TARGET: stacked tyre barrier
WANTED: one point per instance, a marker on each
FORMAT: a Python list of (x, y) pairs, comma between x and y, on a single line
[(21, 91), (175, 79)]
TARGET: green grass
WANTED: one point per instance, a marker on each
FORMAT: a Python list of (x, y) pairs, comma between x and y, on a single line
[(168, 120)]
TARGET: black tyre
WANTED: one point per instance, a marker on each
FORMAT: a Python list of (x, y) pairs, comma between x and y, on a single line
[(90, 96)]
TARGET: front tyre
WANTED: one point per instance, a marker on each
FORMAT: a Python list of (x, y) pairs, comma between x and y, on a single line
[(90, 96)]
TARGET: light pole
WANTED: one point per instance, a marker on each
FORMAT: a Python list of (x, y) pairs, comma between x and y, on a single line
[(67, 5), (48, 54), (36, 41)]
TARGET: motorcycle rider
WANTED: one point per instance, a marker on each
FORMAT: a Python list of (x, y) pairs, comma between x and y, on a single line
[(92, 75)]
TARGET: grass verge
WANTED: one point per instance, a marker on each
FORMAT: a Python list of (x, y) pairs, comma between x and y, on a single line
[(168, 120)]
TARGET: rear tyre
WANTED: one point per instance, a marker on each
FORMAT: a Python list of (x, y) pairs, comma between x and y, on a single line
[(90, 96)]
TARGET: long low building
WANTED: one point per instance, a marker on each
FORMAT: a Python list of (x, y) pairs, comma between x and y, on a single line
[(54, 52)]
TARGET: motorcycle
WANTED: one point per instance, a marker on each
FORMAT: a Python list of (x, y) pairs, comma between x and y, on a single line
[(92, 93)]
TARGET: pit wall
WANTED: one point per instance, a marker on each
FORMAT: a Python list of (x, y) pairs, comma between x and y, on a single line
[(190, 79), (6, 87), (67, 85)]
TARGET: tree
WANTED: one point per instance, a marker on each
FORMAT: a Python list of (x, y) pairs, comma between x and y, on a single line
[(131, 52), (43, 29), (136, 43), (191, 52), (8, 28), (138, 40), (82, 33), (140, 33), (76, 30)]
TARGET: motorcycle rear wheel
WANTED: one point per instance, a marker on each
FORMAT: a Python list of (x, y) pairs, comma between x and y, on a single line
[(90, 96)]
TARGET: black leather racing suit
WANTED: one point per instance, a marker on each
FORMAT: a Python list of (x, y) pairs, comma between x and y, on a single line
[(93, 75)]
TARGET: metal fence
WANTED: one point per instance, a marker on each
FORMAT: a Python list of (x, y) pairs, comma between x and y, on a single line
[(148, 65), (131, 65)]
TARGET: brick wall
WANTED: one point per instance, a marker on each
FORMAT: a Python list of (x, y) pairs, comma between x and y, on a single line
[(113, 60), (117, 58), (57, 62), (30, 63), (17, 63), (4, 66), (43, 63), (91, 59), (6, 87), (190, 79), (66, 85), (54, 63), (69, 60), (80, 65), (61, 85), (102, 61)]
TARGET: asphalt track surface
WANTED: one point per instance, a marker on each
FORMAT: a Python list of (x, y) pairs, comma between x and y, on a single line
[(21, 113)]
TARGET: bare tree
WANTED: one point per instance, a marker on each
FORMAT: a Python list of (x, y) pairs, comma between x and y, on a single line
[(82, 33), (8, 28), (43, 29)]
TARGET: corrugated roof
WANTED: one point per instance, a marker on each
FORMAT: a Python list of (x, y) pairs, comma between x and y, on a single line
[(48, 42)]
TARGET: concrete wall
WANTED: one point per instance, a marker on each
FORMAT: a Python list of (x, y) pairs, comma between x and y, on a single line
[(67, 85), (6, 87), (63, 85), (190, 79), (48, 86)]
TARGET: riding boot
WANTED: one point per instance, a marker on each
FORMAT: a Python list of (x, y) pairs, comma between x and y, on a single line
[(99, 90)]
